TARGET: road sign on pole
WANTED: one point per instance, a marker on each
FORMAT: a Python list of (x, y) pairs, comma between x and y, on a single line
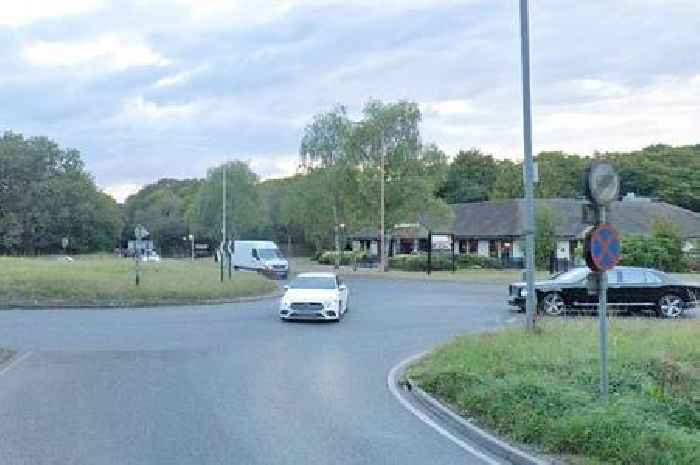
[(602, 249)]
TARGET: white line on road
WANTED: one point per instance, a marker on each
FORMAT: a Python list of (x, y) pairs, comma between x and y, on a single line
[(15, 362), (391, 378)]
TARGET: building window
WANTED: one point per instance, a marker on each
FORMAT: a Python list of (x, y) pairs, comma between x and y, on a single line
[(473, 246), (493, 249)]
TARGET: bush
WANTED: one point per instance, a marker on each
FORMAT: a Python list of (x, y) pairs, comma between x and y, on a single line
[(419, 262), (328, 257), (470, 261), (663, 253)]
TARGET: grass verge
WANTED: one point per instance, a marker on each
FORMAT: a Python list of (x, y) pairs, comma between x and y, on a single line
[(543, 389), (102, 280)]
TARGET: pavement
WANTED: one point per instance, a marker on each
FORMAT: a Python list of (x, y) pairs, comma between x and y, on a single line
[(231, 384)]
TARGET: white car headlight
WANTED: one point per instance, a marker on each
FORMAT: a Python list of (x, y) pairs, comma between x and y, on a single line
[(284, 305), (329, 303), (523, 292)]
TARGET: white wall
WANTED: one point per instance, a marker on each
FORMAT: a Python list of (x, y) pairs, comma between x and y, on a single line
[(518, 249), (483, 249), (563, 250)]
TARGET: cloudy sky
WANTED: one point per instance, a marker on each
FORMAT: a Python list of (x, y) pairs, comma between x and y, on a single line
[(151, 89)]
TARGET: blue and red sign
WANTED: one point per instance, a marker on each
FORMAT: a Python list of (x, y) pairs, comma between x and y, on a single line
[(602, 248)]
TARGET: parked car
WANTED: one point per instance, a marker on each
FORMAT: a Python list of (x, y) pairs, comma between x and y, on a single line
[(150, 256), (261, 256), (314, 296), (629, 289)]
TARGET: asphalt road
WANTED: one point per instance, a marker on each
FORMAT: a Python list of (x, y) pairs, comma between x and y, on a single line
[(231, 384)]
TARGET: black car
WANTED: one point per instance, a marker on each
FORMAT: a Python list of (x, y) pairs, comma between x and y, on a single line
[(629, 289)]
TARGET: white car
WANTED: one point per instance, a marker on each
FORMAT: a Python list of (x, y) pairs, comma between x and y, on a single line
[(150, 256), (314, 296)]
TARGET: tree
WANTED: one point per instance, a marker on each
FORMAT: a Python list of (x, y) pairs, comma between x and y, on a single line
[(509, 181), (243, 204), (412, 173), (470, 177), (45, 195), (545, 236), (560, 175), (164, 208)]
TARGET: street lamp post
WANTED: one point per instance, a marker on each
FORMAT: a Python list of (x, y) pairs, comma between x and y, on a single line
[(530, 301), (382, 264), (191, 236)]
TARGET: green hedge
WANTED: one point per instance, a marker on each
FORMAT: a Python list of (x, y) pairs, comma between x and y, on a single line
[(441, 261), (328, 257)]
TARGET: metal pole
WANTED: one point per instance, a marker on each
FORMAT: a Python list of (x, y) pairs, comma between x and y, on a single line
[(381, 210), (430, 251), (337, 247), (603, 318), (530, 301), (192, 240), (223, 218), (453, 253)]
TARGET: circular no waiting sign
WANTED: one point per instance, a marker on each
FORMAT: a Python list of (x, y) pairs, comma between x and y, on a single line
[(602, 248)]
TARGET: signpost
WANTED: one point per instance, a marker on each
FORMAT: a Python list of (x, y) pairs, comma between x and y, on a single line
[(602, 249), (139, 232)]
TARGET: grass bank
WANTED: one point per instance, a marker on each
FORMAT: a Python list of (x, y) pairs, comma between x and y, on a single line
[(105, 280), (543, 389), (299, 265), (484, 275)]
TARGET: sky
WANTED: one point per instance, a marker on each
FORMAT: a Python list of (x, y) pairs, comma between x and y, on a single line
[(155, 89)]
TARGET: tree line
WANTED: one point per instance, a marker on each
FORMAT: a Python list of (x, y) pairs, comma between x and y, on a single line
[(46, 194)]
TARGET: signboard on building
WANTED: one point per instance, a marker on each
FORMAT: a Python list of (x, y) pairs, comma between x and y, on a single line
[(441, 242)]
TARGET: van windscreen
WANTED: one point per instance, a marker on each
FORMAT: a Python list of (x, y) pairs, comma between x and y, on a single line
[(269, 254)]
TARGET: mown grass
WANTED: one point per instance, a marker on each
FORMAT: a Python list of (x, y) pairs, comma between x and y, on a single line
[(299, 265), (110, 281), (542, 389)]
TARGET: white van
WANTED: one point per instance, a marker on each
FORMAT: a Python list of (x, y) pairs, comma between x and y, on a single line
[(261, 256)]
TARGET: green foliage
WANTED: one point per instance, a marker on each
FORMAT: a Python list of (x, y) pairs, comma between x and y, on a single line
[(663, 250), (545, 237), (441, 262), (508, 183), (347, 257), (45, 195), (543, 390), (470, 177), (163, 208), (243, 204), (667, 173)]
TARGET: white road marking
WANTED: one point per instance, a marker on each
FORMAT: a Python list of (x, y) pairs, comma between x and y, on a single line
[(427, 420), (15, 362)]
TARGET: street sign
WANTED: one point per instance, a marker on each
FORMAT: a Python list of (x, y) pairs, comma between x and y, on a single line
[(140, 232), (602, 183), (602, 248)]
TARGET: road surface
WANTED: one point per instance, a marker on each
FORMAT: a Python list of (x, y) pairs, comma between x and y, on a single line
[(231, 384)]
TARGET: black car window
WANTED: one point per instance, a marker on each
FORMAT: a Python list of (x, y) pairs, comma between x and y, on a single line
[(653, 278), (632, 276)]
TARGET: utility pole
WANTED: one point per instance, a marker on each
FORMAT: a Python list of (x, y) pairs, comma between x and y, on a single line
[(382, 265), (531, 299), (223, 217)]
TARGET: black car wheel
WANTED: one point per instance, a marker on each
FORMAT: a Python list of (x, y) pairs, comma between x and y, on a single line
[(552, 303), (670, 306)]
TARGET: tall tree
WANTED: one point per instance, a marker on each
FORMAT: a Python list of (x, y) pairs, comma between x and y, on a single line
[(243, 204), (470, 177), (509, 181), (45, 195)]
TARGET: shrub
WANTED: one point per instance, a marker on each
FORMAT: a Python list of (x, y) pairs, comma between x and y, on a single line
[(328, 257)]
